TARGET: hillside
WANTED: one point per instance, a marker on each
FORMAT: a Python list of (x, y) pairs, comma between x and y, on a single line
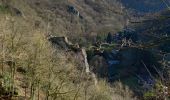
[(94, 17), (153, 27), (84, 50), (137, 55), (146, 6), (33, 68)]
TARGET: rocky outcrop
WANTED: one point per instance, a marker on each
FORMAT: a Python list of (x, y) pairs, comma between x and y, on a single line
[(87, 68), (63, 43), (59, 42), (85, 60), (73, 10)]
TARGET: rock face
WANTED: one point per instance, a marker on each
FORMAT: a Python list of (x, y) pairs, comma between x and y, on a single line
[(73, 10), (59, 42), (85, 60), (16, 11), (79, 54), (63, 43)]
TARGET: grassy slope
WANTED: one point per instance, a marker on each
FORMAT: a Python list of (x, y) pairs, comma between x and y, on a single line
[(29, 37), (99, 17)]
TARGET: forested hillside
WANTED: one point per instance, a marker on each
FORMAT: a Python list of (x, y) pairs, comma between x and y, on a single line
[(146, 6), (84, 50)]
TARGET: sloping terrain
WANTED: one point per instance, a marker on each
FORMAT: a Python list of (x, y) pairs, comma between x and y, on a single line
[(140, 55), (79, 49), (84, 18), (154, 28), (32, 68), (146, 6)]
